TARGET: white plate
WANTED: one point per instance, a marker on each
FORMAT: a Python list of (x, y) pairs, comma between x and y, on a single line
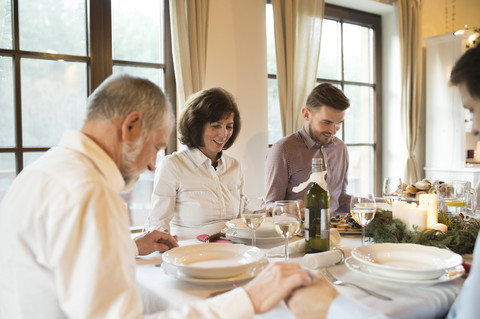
[(213, 260), (231, 235), (406, 261), (248, 274), (448, 274), (265, 230)]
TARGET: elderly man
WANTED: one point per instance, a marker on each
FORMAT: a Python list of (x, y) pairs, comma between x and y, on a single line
[(289, 161), (64, 230)]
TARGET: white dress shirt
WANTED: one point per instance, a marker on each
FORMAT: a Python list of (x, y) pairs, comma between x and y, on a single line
[(66, 247), (191, 198)]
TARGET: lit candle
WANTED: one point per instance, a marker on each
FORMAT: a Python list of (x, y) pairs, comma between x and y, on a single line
[(438, 226), (418, 217), (429, 202), (401, 210)]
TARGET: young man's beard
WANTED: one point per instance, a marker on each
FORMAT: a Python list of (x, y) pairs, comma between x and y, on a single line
[(128, 170), (317, 136)]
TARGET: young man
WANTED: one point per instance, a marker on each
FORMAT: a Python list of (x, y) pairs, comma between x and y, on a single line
[(64, 230), (289, 161)]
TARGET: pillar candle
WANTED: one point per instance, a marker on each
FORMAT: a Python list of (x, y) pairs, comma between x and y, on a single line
[(418, 217), (438, 226), (429, 202), (401, 210)]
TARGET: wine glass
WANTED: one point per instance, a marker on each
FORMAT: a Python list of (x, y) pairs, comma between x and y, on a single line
[(252, 213), (389, 190), (362, 208), (287, 219)]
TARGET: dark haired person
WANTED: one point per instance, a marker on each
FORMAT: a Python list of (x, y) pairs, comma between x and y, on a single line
[(289, 161), (197, 189)]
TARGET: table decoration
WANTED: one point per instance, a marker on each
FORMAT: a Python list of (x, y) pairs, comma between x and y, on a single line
[(460, 235)]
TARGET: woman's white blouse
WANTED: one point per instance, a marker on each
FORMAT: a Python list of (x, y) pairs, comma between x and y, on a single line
[(191, 198)]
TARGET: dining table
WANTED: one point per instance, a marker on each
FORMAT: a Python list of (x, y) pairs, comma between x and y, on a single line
[(160, 290)]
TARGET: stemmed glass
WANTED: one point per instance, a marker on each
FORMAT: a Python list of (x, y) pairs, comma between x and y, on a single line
[(287, 219), (362, 208), (252, 213), (389, 190)]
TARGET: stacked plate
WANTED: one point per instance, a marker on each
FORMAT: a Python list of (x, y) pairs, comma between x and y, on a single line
[(213, 263), (406, 263), (237, 231)]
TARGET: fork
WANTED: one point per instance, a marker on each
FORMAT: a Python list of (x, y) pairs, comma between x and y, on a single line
[(338, 282)]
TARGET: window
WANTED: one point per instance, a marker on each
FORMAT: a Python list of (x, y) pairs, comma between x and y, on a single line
[(53, 54), (350, 59)]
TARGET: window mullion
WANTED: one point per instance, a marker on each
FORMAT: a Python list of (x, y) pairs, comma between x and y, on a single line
[(100, 35)]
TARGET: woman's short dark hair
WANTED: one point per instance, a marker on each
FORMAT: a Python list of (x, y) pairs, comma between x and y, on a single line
[(467, 69), (207, 106)]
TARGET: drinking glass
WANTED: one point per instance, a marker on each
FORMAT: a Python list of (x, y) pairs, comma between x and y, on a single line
[(252, 213), (287, 219), (362, 208), (389, 190)]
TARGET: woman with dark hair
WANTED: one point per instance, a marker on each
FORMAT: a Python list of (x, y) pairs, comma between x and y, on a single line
[(197, 189)]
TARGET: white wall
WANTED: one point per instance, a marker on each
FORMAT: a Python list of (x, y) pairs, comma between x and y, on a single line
[(236, 60)]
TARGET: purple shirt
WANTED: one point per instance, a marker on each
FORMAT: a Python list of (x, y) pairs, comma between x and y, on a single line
[(289, 163)]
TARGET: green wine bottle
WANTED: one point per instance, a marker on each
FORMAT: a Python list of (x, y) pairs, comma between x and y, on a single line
[(317, 215)]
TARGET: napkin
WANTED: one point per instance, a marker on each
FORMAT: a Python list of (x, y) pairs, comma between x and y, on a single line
[(323, 259), (205, 238), (299, 245), (317, 177)]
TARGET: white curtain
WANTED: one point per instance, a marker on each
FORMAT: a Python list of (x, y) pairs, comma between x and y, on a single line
[(298, 26), (189, 25), (410, 24)]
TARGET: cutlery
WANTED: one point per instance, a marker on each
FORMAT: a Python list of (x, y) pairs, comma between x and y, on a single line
[(338, 282)]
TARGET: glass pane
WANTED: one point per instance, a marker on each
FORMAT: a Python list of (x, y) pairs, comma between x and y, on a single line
[(330, 62), (54, 96), (360, 169), (358, 53), (137, 30), (7, 172), (30, 157), (274, 120), (7, 120), (6, 37), (271, 57), (53, 26), (154, 75), (359, 123)]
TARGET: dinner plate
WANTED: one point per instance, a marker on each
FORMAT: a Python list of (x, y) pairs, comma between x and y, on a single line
[(230, 234), (265, 230), (213, 260), (406, 261), (252, 271), (447, 275)]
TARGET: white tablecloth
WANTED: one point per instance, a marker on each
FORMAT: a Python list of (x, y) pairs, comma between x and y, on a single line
[(159, 290)]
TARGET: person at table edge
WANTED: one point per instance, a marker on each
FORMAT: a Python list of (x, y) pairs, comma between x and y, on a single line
[(196, 190), (289, 161), (466, 76), (66, 247)]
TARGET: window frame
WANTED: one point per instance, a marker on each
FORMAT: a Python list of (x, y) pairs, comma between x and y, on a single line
[(98, 60)]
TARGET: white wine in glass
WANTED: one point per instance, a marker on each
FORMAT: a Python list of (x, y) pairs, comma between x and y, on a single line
[(362, 209), (389, 191), (253, 214), (286, 220)]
